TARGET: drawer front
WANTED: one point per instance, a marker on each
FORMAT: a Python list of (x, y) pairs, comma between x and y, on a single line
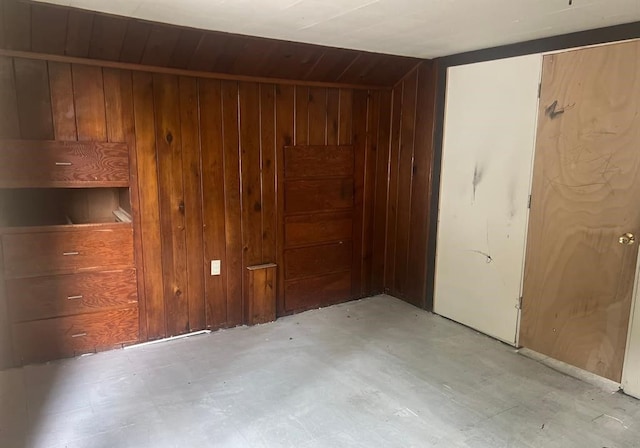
[(36, 254), (66, 295), (63, 164), (44, 340)]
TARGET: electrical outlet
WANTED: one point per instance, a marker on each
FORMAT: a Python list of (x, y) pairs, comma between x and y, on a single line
[(215, 267)]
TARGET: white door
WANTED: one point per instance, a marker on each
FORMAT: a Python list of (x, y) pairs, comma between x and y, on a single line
[(489, 134)]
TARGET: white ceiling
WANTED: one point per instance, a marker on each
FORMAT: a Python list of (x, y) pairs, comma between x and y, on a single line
[(421, 28)]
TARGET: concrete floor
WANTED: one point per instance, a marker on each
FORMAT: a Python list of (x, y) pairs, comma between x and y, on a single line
[(372, 373)]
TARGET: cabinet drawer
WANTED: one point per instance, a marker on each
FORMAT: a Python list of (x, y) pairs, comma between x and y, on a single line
[(44, 340), (25, 164), (42, 253), (66, 295)]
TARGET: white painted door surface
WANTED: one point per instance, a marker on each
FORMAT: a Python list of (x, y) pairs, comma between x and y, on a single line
[(489, 136)]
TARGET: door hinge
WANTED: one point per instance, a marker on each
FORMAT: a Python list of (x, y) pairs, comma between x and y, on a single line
[(539, 89), (529, 203), (520, 303)]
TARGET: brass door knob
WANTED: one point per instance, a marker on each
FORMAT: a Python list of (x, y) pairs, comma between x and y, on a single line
[(627, 239)]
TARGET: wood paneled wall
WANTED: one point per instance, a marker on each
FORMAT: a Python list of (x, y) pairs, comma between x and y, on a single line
[(205, 163), (401, 218), (56, 30)]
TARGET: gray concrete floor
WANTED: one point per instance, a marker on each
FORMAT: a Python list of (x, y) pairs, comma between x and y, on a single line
[(372, 373)]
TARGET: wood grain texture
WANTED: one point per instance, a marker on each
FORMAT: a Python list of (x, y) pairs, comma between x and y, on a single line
[(191, 165), (312, 292), (318, 195), (578, 278), (268, 170), (317, 260), (34, 99), (107, 36), (214, 179), (25, 164), (44, 340), (42, 253), (318, 161), (78, 37), (166, 96), (261, 286), (88, 91), (62, 102), (66, 295), (48, 29), (149, 206), (232, 205), (312, 229), (360, 108)]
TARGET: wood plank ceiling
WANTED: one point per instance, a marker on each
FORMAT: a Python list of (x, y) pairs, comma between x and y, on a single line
[(41, 28)]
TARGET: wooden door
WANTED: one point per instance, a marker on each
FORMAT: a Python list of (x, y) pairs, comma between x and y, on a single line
[(484, 193), (578, 276), (317, 214)]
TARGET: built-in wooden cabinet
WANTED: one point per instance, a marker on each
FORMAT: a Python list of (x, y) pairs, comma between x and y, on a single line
[(68, 270)]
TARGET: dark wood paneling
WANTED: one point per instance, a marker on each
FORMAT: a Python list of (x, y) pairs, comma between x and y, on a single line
[(62, 101), (232, 205), (34, 99), (261, 287), (312, 292), (317, 260), (107, 36), (318, 228), (190, 126), (49, 29), (65, 295), (160, 45), (135, 41), (268, 167), (213, 188), (360, 108), (314, 161), (407, 195), (149, 207), (166, 96), (79, 28), (88, 91), (17, 25), (9, 123), (318, 195)]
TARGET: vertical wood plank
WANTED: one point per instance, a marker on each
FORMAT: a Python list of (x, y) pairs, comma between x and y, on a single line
[(113, 100), (333, 115), (381, 189), (121, 122), (405, 179), (190, 130), (251, 181), (232, 204), (396, 117), (88, 90), (63, 109), (421, 186), (345, 117), (160, 44), (135, 40), (149, 205), (302, 116), (268, 169), (48, 29), (107, 37), (360, 106), (285, 126), (371, 149), (17, 25), (317, 115), (9, 123), (79, 27), (213, 189), (166, 97), (262, 300), (34, 99)]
